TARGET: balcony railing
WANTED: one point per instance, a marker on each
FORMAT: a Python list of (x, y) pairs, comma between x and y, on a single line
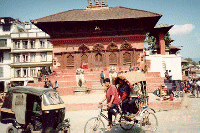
[(30, 35)]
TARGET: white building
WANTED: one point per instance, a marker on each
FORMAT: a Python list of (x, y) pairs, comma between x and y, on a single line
[(165, 58), (6, 28), (24, 49), (31, 51), (161, 63)]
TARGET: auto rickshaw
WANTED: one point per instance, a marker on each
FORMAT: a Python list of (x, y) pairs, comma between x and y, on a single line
[(34, 109)]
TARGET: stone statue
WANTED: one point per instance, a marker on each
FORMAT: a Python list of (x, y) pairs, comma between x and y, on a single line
[(80, 77), (112, 74)]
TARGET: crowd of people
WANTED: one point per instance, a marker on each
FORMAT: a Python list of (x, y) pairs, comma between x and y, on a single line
[(42, 76), (48, 84)]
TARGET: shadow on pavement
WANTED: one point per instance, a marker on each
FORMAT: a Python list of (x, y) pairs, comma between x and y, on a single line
[(118, 129)]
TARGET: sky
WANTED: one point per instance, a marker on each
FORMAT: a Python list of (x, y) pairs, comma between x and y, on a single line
[(183, 14)]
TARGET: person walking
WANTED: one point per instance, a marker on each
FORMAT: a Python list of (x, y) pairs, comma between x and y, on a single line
[(112, 101), (50, 84), (102, 76), (56, 85), (39, 75), (46, 85)]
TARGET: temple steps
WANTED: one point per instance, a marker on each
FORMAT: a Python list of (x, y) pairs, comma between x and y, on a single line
[(67, 81)]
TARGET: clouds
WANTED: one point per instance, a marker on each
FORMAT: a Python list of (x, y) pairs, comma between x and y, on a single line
[(181, 29)]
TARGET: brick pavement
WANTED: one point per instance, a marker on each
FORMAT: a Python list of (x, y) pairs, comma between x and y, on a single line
[(90, 102)]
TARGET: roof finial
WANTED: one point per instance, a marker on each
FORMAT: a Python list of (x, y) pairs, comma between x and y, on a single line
[(97, 4)]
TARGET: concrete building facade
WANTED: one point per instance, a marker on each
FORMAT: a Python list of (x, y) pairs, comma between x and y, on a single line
[(6, 28), (31, 50)]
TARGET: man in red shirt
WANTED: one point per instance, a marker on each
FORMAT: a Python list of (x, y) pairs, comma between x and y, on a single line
[(112, 101)]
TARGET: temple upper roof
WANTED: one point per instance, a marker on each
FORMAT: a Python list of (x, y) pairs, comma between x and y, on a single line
[(111, 13)]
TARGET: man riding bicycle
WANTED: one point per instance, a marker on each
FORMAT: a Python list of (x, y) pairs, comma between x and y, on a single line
[(112, 101)]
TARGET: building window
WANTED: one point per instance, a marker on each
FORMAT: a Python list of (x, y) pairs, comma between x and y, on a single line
[(54, 63), (17, 73), (25, 44), (6, 27), (32, 44), (17, 58), (112, 59), (24, 57), (43, 56), (84, 58), (25, 72), (42, 43), (33, 56), (1, 57), (127, 58), (17, 44), (33, 72), (3, 42), (1, 71), (70, 61), (50, 45), (98, 59)]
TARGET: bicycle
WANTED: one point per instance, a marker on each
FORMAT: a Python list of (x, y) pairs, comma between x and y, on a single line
[(146, 120), (95, 124)]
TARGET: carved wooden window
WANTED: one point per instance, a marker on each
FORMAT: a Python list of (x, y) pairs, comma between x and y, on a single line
[(127, 58), (84, 58), (98, 47), (112, 59), (125, 46), (83, 48), (98, 57), (112, 46), (70, 61)]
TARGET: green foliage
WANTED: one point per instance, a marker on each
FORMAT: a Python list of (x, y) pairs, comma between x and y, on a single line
[(168, 40), (190, 61), (153, 44), (151, 41)]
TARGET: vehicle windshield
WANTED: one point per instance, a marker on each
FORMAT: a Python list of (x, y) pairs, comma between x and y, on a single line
[(52, 98)]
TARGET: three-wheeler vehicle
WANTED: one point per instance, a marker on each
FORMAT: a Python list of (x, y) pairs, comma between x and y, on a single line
[(34, 109)]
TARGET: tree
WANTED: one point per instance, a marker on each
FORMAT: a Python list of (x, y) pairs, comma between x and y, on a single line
[(151, 41), (153, 44), (190, 61), (168, 40)]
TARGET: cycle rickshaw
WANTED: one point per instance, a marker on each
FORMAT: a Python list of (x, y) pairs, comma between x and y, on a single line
[(144, 116)]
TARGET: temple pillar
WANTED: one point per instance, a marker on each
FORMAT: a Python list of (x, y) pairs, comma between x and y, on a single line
[(161, 44)]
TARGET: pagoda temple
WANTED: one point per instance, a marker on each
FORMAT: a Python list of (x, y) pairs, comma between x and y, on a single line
[(99, 37)]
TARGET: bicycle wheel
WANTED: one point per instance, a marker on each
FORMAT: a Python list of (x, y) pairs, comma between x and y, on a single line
[(126, 124), (148, 122), (94, 125)]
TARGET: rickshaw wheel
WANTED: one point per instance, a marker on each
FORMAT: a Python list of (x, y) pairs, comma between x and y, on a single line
[(11, 129), (48, 129), (126, 124), (149, 122)]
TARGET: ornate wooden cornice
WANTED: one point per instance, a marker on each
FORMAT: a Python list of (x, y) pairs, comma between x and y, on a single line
[(90, 40), (83, 48), (98, 47), (126, 46), (112, 46)]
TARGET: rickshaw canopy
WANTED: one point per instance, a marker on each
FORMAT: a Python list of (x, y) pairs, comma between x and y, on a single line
[(30, 90), (131, 77)]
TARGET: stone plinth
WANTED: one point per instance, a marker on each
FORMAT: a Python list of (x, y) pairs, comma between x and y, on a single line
[(81, 90)]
